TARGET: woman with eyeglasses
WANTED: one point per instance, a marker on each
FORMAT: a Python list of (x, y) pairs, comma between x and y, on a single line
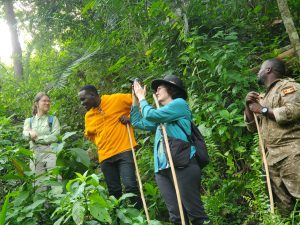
[(175, 114), (41, 130)]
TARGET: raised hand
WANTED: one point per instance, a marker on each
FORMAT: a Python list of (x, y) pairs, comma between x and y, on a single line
[(139, 91)]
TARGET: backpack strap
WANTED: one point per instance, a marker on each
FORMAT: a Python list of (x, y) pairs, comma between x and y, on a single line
[(50, 122), (30, 122), (188, 136)]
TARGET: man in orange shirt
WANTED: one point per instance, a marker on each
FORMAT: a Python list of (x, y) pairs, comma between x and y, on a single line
[(105, 126)]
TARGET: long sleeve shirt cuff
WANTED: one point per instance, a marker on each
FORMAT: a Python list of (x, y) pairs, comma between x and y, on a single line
[(143, 103)]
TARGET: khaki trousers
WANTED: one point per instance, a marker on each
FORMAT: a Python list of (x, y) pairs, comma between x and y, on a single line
[(44, 159)]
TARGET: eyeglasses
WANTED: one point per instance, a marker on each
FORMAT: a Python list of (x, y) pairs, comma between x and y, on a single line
[(160, 88), (45, 101)]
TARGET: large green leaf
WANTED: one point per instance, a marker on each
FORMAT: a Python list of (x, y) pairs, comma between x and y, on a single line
[(70, 183), (57, 147), (21, 197), (93, 180), (79, 191), (225, 114), (100, 213), (78, 212), (34, 205), (121, 215), (98, 199), (81, 156), (24, 151), (68, 134), (126, 195), (59, 221)]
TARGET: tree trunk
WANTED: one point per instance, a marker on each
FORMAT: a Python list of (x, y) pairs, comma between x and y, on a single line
[(16, 47), (289, 26)]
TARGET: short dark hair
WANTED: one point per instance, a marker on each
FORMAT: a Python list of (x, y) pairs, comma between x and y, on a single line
[(174, 92), (90, 89), (278, 66)]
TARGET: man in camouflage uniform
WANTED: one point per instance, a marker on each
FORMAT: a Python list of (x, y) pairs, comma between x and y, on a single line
[(278, 112)]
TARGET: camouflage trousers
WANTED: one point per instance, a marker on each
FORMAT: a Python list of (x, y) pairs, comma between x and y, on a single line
[(285, 181)]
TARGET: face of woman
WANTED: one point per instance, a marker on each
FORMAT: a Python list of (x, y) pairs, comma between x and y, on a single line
[(43, 105), (163, 96)]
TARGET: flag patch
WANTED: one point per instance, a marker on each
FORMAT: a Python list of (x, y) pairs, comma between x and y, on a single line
[(288, 90)]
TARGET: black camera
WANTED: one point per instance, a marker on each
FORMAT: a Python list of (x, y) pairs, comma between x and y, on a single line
[(131, 80)]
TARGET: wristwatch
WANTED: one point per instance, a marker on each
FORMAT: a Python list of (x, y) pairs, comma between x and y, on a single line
[(264, 110)]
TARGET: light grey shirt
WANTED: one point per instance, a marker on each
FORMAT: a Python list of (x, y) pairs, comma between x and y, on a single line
[(40, 125)]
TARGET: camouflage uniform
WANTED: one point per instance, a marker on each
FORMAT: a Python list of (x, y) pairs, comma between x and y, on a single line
[(282, 139)]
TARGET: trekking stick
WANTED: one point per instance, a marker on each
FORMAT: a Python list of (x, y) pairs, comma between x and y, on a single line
[(172, 166), (138, 176), (264, 158)]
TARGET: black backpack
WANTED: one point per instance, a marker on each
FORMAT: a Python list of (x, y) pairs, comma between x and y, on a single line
[(196, 139)]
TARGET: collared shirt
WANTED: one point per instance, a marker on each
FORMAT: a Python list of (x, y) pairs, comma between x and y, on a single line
[(40, 125), (177, 111), (281, 137), (103, 128)]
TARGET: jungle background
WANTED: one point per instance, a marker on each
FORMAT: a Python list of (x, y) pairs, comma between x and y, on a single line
[(215, 46)]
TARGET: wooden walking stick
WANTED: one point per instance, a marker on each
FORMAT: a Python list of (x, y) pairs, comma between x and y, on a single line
[(172, 166), (264, 158), (138, 176)]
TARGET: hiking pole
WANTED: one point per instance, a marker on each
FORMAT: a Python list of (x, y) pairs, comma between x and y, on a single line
[(172, 166), (138, 176), (264, 158)]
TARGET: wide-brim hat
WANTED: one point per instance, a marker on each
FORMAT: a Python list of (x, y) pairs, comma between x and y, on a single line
[(171, 80)]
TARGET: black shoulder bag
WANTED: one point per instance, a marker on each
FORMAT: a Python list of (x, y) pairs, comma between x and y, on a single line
[(197, 140), (180, 151)]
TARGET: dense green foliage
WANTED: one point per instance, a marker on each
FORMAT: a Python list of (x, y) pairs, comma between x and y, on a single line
[(211, 45)]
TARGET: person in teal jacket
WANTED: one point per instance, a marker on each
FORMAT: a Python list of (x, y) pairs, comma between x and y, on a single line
[(175, 114)]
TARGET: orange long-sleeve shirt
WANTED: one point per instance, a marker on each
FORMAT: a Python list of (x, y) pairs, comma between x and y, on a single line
[(102, 125)]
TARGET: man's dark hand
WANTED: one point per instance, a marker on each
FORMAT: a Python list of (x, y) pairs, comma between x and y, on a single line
[(124, 120), (255, 107), (252, 97)]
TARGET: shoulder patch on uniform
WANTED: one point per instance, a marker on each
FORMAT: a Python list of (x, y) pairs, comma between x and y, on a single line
[(288, 90)]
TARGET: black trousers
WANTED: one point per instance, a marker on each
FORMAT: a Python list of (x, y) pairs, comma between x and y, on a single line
[(189, 179), (121, 167)]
